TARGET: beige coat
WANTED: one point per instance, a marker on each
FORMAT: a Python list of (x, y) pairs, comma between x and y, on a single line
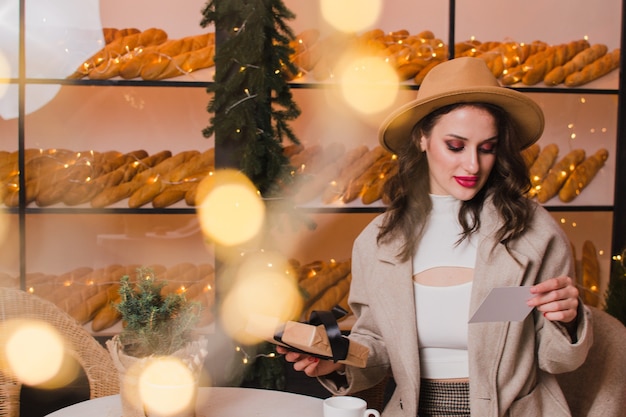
[(510, 363), (598, 387)]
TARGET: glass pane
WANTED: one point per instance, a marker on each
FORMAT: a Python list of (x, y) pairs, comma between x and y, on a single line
[(9, 249), (587, 122), (60, 35), (104, 247)]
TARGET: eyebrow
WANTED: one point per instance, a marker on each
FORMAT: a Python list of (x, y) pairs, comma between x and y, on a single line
[(491, 139)]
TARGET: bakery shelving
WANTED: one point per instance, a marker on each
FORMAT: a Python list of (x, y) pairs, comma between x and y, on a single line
[(85, 115), (577, 117), (155, 115), (582, 116), (587, 117)]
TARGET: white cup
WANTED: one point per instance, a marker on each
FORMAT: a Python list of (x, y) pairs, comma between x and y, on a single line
[(345, 406)]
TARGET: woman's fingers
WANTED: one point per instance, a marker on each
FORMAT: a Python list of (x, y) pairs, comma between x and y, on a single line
[(556, 298), (310, 365)]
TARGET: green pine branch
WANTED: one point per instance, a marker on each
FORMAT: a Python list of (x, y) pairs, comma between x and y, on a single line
[(265, 370), (252, 104), (615, 300), (153, 324)]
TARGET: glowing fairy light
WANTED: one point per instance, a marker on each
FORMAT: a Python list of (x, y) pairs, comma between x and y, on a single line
[(246, 357)]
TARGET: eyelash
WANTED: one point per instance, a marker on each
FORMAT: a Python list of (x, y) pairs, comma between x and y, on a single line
[(455, 149)]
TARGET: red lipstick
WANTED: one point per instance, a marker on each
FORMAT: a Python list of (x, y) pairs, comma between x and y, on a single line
[(467, 182)]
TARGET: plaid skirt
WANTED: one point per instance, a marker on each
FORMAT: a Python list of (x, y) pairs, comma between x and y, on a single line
[(443, 399)]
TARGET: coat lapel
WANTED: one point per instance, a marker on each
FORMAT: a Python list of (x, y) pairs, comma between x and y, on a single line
[(397, 307), (495, 267)]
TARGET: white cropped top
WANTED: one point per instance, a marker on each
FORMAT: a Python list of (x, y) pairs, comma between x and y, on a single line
[(442, 316), (442, 232), (443, 311)]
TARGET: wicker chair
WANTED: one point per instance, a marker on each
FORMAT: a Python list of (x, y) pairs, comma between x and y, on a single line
[(92, 357), (597, 388), (376, 395)]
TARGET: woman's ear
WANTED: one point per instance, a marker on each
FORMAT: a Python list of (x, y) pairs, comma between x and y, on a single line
[(423, 144)]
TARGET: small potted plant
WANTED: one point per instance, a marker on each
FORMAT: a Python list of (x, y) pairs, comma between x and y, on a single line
[(154, 326)]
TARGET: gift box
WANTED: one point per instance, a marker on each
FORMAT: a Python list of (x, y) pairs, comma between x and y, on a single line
[(314, 340), (320, 337)]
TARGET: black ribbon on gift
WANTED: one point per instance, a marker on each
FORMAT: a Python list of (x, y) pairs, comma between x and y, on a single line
[(338, 343)]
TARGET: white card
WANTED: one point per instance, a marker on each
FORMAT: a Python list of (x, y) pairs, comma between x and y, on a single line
[(504, 304)]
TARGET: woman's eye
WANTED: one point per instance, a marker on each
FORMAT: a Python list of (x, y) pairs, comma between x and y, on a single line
[(458, 146), (455, 147), (487, 148)]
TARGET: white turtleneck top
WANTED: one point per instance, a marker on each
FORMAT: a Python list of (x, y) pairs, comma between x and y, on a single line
[(443, 311)]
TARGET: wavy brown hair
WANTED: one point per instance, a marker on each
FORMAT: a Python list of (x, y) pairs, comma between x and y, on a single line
[(408, 191)]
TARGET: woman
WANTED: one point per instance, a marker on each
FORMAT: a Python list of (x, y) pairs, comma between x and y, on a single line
[(457, 226)]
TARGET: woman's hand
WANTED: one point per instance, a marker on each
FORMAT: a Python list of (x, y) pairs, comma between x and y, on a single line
[(308, 364), (557, 299)]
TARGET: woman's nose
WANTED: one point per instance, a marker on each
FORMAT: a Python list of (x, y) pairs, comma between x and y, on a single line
[(471, 164)]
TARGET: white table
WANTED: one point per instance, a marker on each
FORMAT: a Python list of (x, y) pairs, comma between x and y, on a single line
[(215, 402)]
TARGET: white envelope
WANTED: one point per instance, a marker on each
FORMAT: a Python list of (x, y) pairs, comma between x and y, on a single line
[(504, 304)]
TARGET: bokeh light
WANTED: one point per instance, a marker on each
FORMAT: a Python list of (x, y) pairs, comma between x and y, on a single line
[(351, 15), (167, 387), (34, 352), (230, 209), (61, 35), (264, 293), (368, 84), (5, 73), (5, 222)]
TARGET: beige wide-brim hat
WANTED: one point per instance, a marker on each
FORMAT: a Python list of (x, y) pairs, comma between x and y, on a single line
[(462, 80)]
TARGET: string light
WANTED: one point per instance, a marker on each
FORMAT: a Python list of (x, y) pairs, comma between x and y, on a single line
[(248, 97), (246, 357)]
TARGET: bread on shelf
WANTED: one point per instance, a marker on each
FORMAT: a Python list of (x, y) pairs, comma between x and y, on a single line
[(147, 54), (413, 55), (89, 294)]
